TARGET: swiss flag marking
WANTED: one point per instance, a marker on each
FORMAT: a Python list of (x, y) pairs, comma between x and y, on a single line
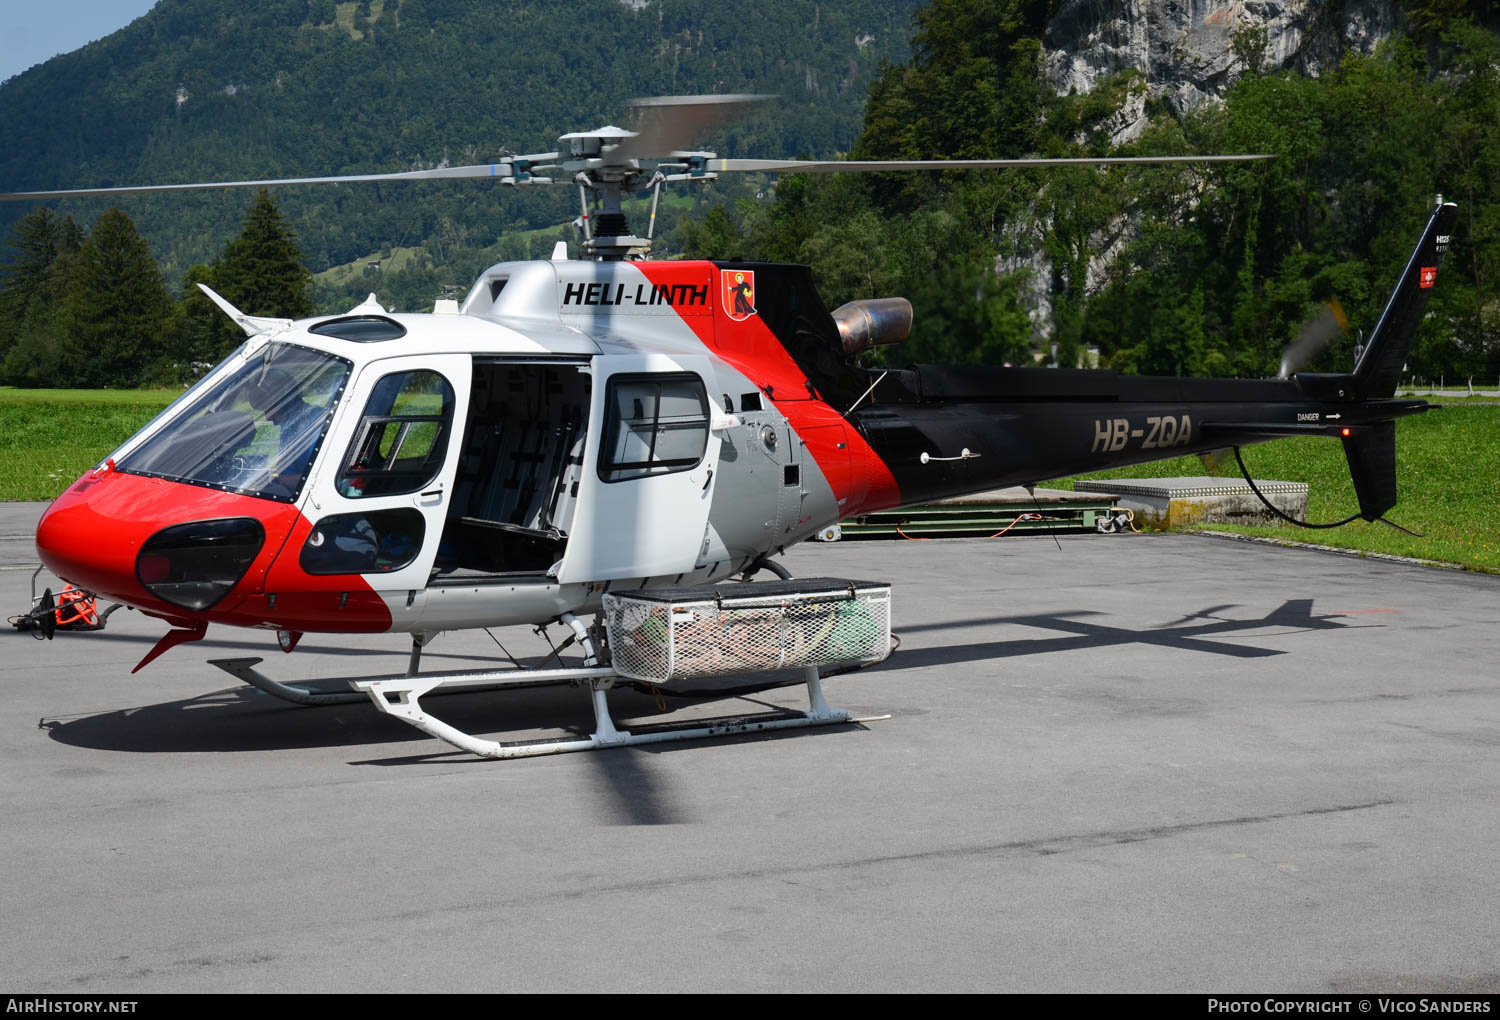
[(1429, 276)]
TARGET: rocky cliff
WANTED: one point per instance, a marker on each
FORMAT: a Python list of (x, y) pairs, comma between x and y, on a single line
[(1185, 53), (1190, 51)]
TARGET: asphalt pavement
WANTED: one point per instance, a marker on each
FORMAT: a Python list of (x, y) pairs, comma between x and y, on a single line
[(1113, 763)]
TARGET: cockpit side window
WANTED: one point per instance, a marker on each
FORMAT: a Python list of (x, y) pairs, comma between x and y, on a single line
[(656, 424), (402, 436)]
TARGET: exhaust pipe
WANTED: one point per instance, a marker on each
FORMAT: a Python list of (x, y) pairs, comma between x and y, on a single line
[(866, 324)]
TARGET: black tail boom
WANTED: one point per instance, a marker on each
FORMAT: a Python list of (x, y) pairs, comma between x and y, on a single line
[(952, 430)]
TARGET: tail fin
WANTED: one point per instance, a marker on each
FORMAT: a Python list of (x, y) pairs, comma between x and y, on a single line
[(1371, 452), (1379, 368), (1369, 441)]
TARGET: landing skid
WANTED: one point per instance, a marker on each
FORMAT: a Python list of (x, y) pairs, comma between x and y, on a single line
[(298, 694), (244, 670), (654, 639), (401, 697)]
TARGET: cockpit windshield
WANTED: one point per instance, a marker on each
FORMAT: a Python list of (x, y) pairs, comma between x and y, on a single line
[(257, 432)]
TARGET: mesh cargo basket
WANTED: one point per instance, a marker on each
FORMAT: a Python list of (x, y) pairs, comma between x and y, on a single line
[(673, 634)]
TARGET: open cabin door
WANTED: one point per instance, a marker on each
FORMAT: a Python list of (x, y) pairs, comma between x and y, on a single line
[(648, 483), (519, 473)]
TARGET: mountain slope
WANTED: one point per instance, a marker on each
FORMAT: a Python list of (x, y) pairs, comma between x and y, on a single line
[(215, 89)]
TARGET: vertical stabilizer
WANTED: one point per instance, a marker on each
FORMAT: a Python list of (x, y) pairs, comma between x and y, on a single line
[(1379, 368), (1371, 452)]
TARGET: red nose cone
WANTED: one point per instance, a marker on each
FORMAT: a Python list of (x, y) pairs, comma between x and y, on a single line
[(86, 538), (92, 536)]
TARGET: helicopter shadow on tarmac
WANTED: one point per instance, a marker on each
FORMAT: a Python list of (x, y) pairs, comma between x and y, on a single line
[(240, 719), (634, 791), (1195, 632), (345, 648)]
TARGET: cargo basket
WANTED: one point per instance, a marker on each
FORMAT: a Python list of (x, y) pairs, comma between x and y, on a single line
[(676, 633)]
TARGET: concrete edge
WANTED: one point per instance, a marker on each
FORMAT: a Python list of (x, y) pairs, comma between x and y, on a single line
[(1358, 553)]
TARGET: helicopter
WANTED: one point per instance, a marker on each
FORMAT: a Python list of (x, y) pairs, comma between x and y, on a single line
[(615, 435)]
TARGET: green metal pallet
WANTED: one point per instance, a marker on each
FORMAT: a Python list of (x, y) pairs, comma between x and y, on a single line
[(986, 514)]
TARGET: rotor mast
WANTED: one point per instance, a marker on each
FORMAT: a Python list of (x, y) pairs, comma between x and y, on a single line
[(598, 170)]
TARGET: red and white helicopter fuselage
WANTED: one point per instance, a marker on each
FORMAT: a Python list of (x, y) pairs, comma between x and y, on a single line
[(574, 427)]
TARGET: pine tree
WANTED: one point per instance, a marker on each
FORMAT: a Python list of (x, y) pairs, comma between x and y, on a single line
[(117, 310), (24, 276), (33, 284), (261, 270)]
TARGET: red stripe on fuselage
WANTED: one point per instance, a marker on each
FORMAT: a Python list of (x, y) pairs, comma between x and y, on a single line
[(92, 535), (335, 603), (751, 348)]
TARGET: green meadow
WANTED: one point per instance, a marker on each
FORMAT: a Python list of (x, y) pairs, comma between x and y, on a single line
[(50, 437), (1448, 467)]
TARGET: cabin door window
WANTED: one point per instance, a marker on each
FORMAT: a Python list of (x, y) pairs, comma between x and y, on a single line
[(643, 506)]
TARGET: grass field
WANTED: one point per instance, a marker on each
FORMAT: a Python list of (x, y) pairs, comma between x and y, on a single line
[(50, 437), (64, 398), (1448, 468)]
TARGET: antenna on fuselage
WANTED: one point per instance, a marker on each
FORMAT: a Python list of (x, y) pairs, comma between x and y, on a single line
[(253, 325)]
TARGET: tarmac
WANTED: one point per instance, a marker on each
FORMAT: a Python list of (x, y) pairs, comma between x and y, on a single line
[(1114, 763)]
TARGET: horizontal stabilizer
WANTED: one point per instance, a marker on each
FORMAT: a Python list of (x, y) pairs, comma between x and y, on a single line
[(1270, 428)]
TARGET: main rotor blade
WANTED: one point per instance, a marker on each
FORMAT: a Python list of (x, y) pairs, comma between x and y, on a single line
[(865, 166), (501, 171), (666, 124)]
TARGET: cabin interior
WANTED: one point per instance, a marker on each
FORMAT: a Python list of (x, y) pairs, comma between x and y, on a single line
[(517, 484)]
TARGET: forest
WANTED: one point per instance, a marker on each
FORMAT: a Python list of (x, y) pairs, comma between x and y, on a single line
[(1164, 270), (92, 310), (1192, 270)]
